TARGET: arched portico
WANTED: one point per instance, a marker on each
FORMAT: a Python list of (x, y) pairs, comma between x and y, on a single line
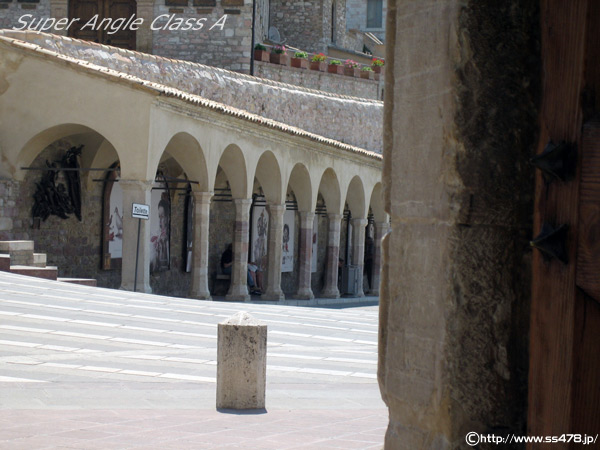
[(300, 185), (268, 175), (329, 188)]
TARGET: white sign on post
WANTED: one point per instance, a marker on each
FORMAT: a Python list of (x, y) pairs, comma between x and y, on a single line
[(140, 211)]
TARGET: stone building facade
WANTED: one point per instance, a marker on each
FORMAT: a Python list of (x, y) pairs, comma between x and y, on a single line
[(211, 32)]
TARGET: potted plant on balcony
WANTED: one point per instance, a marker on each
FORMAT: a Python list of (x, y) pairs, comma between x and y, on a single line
[(377, 65), (351, 68), (300, 60), (319, 62), (261, 53), (367, 73), (335, 66), (279, 55)]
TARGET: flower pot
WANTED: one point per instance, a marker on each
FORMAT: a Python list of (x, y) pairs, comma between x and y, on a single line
[(321, 66), (335, 68), (261, 55), (377, 69), (300, 63), (280, 58), (367, 75), (352, 72)]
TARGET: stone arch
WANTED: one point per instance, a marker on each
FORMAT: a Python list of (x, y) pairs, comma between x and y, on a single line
[(376, 203), (233, 164), (329, 188), (301, 184), (187, 152), (78, 133), (268, 174), (355, 198)]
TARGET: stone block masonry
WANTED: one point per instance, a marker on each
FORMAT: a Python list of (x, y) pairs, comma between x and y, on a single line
[(229, 47), (322, 81), (350, 120)]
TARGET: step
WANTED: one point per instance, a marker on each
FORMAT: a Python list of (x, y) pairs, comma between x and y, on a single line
[(21, 252), (39, 260), (49, 273), (4, 262), (82, 281)]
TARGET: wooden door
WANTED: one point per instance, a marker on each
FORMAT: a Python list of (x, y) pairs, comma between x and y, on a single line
[(564, 372), (105, 9)]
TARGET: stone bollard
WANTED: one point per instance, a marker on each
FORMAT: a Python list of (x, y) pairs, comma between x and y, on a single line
[(241, 363)]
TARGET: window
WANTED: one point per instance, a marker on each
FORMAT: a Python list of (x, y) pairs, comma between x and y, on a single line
[(374, 13)]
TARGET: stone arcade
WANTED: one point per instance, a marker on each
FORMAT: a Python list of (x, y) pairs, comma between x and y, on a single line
[(158, 119)]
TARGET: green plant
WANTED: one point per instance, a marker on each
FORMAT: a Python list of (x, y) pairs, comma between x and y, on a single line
[(378, 62), (335, 62), (279, 49), (351, 64), (302, 55), (366, 69), (259, 47), (320, 57)]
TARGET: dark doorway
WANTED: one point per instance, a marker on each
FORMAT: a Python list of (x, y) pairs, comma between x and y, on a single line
[(85, 10)]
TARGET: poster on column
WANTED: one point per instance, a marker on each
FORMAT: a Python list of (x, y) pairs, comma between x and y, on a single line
[(160, 219), (260, 227), (287, 251), (315, 240), (112, 248)]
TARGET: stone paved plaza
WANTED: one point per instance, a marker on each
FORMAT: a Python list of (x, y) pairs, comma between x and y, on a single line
[(92, 368)]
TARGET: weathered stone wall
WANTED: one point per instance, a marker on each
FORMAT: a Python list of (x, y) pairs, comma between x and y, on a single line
[(460, 127), (9, 195), (300, 23), (349, 120), (322, 81), (12, 10), (229, 48)]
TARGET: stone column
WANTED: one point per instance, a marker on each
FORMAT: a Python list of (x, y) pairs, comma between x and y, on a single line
[(358, 252), (304, 266), (330, 290), (381, 229), (274, 252), (238, 289), (200, 246), (135, 192), (59, 9)]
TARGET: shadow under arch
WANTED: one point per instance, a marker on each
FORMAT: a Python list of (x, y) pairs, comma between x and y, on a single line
[(355, 198), (268, 174), (301, 184), (78, 134), (376, 203), (233, 164), (329, 187), (188, 153)]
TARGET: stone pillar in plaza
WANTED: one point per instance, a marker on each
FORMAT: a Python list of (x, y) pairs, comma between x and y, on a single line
[(238, 288), (381, 229), (304, 264), (358, 251), (200, 246), (330, 290), (135, 192), (274, 253)]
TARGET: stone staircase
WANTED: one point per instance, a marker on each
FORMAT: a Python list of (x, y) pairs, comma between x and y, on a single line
[(19, 257)]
